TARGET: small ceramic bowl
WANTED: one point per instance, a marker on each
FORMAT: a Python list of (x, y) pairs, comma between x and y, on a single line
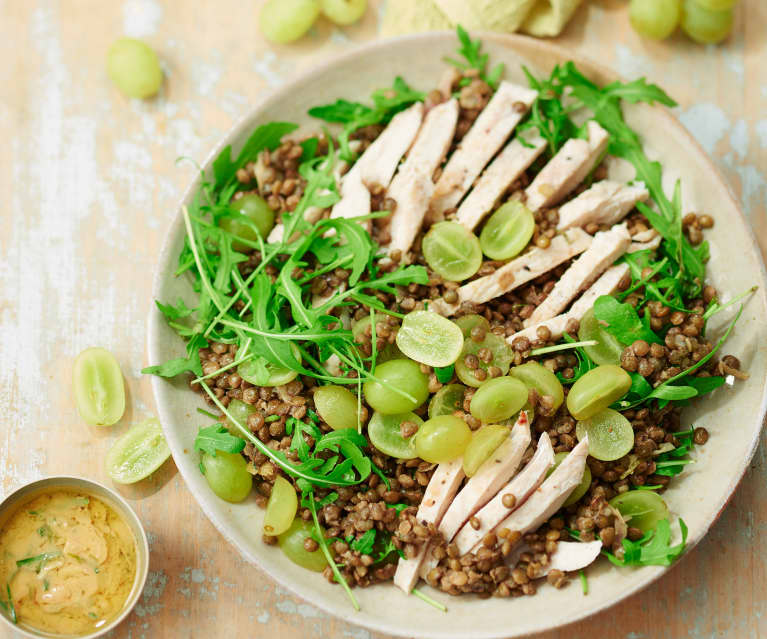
[(29, 491)]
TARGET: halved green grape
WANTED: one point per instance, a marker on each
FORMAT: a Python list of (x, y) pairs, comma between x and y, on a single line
[(483, 443), (608, 349), (442, 439), (502, 357), (581, 489), (292, 544), (384, 434), (717, 5), (98, 387), (452, 251), (596, 390), (390, 351), (498, 399), (134, 68), (248, 212), (704, 25), (467, 322), (337, 406), (401, 374), (137, 453), (655, 18), (227, 475), (610, 434), (268, 374), (240, 411), (507, 231), (447, 400), (429, 338), (641, 509), (281, 507), (537, 376), (284, 21), (344, 12)]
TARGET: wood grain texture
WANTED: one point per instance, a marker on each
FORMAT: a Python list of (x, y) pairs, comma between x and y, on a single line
[(90, 183)]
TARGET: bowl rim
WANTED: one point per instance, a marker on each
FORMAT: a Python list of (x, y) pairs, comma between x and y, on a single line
[(513, 42), (124, 508)]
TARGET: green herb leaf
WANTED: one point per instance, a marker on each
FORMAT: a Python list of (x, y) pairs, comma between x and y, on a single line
[(623, 321), (653, 549), (473, 58), (39, 558), (445, 373), (214, 438), (364, 544)]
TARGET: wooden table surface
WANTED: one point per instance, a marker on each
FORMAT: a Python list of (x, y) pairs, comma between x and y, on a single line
[(89, 183)]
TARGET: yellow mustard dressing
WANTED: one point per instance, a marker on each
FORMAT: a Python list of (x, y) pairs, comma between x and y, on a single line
[(69, 560)]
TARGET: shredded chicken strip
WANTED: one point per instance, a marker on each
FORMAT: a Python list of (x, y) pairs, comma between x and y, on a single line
[(606, 202)]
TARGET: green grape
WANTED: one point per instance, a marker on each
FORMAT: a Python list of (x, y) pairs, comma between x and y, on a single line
[(292, 544), (401, 374), (467, 322), (704, 25), (284, 21), (337, 406), (384, 434), (452, 251), (227, 475), (390, 351), (500, 350), (610, 434), (442, 439), (263, 373), (137, 453), (608, 349), (447, 400), (484, 443), (498, 399), (596, 390), (134, 68), (344, 12), (582, 488), (537, 376), (251, 217), (641, 509), (240, 411), (98, 387), (429, 338), (507, 231), (717, 5), (281, 507), (655, 19)]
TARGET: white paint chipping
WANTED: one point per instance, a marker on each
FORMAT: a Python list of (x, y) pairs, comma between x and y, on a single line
[(707, 122), (141, 17)]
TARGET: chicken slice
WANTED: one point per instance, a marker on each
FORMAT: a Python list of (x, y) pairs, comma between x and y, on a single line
[(607, 247), (572, 555), (488, 133), (551, 494), (439, 494), (519, 271), (412, 187), (521, 487), (649, 239), (510, 163), (376, 166), (606, 202), (489, 478), (605, 285), (567, 168)]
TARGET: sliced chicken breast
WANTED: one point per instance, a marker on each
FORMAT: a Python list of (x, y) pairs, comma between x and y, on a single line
[(503, 171), (607, 247), (443, 485), (572, 555), (649, 239), (567, 168), (551, 494), (519, 271), (521, 487), (488, 133), (606, 202), (413, 187), (488, 480), (605, 285)]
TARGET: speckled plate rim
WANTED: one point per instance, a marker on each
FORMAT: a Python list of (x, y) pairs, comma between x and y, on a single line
[(85, 484), (516, 43)]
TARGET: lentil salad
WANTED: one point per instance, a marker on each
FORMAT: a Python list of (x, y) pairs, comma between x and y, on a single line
[(354, 333)]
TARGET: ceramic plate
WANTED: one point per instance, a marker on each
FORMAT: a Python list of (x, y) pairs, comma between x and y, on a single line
[(732, 414)]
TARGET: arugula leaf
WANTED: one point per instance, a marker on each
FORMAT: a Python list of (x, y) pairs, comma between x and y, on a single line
[(653, 549), (397, 507), (174, 367), (623, 321), (585, 363), (174, 312), (364, 544), (214, 438), (473, 58), (672, 462)]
